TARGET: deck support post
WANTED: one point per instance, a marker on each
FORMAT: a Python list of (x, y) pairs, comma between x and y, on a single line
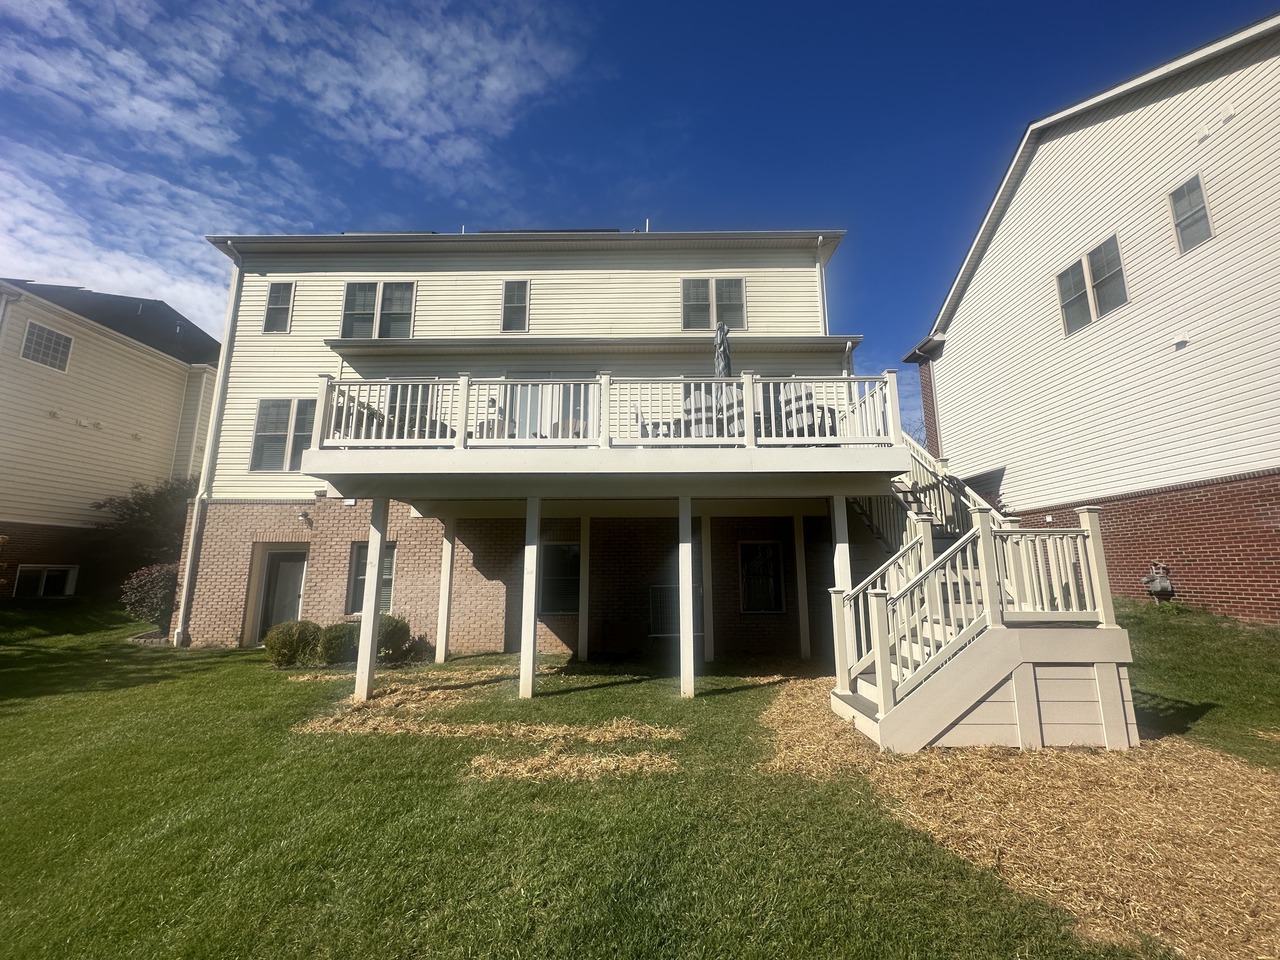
[(446, 588), (840, 542), (839, 630), (368, 649), (708, 593), (529, 598), (802, 586), (584, 586), (686, 597), (880, 643)]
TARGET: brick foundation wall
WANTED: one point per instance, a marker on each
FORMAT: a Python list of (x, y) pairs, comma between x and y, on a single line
[(1220, 538), (45, 544), (627, 557)]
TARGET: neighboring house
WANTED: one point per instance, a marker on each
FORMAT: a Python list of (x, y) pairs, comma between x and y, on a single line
[(99, 392), (518, 441), (1112, 335)]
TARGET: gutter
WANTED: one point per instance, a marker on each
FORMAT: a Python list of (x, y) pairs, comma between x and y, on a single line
[(201, 506)]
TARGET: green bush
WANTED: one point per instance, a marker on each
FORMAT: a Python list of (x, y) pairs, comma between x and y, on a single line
[(337, 644), (292, 642), (148, 594), (394, 641)]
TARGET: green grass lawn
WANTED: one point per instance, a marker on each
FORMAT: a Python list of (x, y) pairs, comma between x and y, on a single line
[(1213, 679), (156, 803)]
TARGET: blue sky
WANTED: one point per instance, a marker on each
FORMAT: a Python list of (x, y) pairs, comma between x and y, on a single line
[(130, 129)]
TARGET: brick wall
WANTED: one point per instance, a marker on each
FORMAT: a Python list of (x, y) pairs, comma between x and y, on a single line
[(45, 544), (1220, 538)]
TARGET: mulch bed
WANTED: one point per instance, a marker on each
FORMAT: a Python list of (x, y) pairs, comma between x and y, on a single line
[(1172, 840)]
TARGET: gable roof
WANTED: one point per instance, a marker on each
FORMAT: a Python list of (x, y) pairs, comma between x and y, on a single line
[(1026, 151), (150, 322)]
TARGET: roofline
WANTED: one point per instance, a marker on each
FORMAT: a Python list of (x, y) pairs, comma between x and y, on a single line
[(231, 245), (1031, 139), (692, 344)]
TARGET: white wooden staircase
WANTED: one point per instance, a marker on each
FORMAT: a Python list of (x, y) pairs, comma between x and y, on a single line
[(977, 631)]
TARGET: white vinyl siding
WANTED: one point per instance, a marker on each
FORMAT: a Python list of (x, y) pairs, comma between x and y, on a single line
[(1190, 215), (1116, 407), (69, 439)]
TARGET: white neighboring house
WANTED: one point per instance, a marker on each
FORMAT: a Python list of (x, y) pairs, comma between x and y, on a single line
[(1112, 335), (521, 441), (99, 392)]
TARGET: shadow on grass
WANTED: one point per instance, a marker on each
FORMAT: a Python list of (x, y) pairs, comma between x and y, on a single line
[(1159, 716), (30, 619)]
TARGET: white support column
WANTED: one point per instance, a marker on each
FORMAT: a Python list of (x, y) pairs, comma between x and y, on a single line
[(368, 650), (1026, 705), (708, 595), (529, 616), (584, 586), (446, 588), (802, 586), (686, 597), (840, 542)]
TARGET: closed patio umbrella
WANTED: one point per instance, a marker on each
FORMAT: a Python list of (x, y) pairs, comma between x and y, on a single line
[(723, 367)]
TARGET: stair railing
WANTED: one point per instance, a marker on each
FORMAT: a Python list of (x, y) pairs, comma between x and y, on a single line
[(947, 497)]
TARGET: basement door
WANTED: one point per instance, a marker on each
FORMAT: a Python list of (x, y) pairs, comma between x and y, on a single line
[(282, 591)]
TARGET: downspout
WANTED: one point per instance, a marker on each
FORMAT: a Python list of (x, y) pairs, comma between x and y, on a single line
[(822, 286), (179, 633), (848, 358)]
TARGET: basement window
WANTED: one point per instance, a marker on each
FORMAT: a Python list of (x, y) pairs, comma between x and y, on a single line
[(36, 581)]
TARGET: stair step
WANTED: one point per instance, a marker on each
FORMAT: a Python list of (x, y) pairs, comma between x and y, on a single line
[(855, 707)]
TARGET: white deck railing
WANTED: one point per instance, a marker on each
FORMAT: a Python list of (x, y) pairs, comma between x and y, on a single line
[(948, 498), (603, 411), (989, 577)]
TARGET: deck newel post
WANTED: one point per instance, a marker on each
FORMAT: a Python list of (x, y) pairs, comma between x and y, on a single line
[(749, 407), (606, 407), (879, 609), (463, 415), (924, 530), (369, 613), (584, 586), (319, 426), (838, 626), (686, 597), (802, 586), (1092, 524), (988, 569), (708, 593), (446, 588), (529, 598), (1017, 577), (891, 403)]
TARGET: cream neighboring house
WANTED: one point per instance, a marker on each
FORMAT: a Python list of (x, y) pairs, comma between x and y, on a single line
[(529, 442), (99, 392), (1112, 335)]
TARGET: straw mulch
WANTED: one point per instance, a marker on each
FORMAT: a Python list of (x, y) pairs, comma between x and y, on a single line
[(1171, 840), (558, 762)]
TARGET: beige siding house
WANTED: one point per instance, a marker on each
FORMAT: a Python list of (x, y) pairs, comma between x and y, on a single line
[(538, 443), (1110, 337), (99, 392)]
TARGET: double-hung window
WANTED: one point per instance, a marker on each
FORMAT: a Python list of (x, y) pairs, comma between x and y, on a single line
[(706, 302), (390, 304), (47, 347), (561, 577), (760, 570), (1190, 215), (515, 306), (279, 304), (359, 568), (1093, 286), (280, 434)]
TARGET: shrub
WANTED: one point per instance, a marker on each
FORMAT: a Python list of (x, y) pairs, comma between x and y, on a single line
[(146, 524), (337, 644), (291, 642), (149, 594), (394, 641)]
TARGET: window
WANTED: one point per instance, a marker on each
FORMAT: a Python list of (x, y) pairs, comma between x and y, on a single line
[(390, 303), (1093, 286), (1190, 216), (279, 301), (561, 575), (760, 567), (699, 311), (45, 581), (359, 564), (281, 433), (515, 305), (46, 346)]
